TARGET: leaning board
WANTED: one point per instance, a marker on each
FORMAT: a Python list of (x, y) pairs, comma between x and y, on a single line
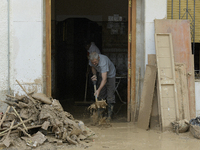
[(166, 79), (182, 91), (147, 97), (180, 30)]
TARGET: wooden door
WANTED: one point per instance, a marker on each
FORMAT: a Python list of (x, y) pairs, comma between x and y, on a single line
[(48, 46), (131, 59), (180, 30), (166, 80)]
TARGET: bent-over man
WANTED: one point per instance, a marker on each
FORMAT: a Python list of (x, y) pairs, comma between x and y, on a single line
[(106, 89)]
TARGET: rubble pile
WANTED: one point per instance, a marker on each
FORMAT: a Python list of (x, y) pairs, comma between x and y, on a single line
[(37, 111)]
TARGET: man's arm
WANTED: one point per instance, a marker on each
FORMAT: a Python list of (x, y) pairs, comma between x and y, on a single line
[(94, 70), (94, 77), (103, 82)]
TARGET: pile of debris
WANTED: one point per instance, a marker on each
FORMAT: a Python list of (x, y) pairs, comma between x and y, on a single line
[(35, 111)]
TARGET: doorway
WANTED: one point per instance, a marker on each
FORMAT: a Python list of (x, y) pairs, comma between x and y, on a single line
[(106, 24)]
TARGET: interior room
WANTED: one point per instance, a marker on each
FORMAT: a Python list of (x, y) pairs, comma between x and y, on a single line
[(106, 24)]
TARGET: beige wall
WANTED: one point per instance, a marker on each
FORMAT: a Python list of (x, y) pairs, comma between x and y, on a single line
[(102, 8)]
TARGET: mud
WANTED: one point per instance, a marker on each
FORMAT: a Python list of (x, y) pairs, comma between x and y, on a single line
[(126, 136)]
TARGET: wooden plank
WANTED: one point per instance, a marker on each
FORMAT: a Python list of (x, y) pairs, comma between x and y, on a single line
[(166, 78), (182, 91), (158, 98), (152, 59), (129, 66), (48, 47), (131, 59), (154, 120), (137, 99), (180, 30), (147, 97)]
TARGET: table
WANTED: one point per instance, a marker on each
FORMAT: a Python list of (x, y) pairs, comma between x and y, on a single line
[(117, 81)]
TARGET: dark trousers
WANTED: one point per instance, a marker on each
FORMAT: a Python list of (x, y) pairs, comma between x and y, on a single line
[(108, 91)]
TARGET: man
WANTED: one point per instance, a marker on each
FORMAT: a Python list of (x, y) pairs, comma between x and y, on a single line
[(90, 47), (106, 89)]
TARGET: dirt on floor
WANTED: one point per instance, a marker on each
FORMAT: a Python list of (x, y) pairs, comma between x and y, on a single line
[(119, 135), (125, 136)]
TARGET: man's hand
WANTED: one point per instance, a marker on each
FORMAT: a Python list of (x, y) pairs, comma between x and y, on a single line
[(96, 93), (94, 78)]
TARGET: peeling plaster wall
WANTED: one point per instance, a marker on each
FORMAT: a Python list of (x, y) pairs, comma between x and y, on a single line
[(3, 52), (26, 46), (27, 51)]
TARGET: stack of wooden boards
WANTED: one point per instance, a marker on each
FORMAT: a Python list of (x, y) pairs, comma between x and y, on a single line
[(168, 89)]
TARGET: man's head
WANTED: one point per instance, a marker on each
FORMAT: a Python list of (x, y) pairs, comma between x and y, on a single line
[(94, 58), (87, 44)]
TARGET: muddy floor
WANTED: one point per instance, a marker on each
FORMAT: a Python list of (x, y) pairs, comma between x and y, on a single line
[(121, 136), (126, 136)]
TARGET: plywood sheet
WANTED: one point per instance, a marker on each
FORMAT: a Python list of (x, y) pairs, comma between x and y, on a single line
[(152, 59), (147, 97), (182, 91), (166, 79), (180, 30)]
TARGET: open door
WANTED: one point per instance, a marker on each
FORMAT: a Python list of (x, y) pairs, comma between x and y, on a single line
[(131, 59)]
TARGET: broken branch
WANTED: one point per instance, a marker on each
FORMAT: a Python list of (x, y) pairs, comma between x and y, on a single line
[(19, 118), (4, 116), (10, 129), (16, 126), (26, 93), (24, 132)]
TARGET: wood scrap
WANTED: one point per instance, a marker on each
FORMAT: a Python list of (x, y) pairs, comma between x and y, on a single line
[(42, 97), (11, 127), (16, 126), (137, 106), (45, 125), (26, 93), (71, 141), (17, 130), (36, 140), (19, 118), (4, 116), (7, 141), (11, 96), (48, 118), (147, 97), (11, 103), (23, 105), (24, 132)]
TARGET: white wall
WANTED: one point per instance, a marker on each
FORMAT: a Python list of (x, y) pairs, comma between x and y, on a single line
[(26, 46), (3, 52), (197, 97), (154, 9)]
